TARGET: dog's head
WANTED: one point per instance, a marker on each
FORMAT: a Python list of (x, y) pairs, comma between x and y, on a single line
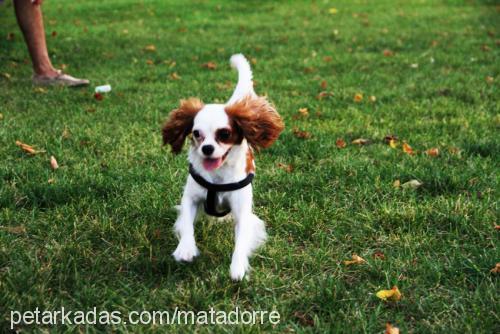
[(216, 128)]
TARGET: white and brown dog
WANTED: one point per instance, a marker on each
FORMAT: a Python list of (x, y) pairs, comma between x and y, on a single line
[(223, 137)]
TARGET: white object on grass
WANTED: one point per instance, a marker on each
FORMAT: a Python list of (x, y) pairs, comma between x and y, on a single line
[(103, 89)]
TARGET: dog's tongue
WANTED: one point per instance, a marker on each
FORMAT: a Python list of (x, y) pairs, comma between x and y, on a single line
[(211, 164)]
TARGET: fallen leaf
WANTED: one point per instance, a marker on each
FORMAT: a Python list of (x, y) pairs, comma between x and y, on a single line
[(210, 65), (323, 84), (321, 95), (150, 62), (53, 163), (407, 149), (396, 184), (388, 53), (1, 116), (50, 181), (10, 36), (285, 167), (414, 65), (379, 256), (393, 143), (340, 143), (66, 133), (485, 48), (40, 90), (413, 184), (360, 141), (372, 99), (303, 318), (393, 294), (54, 33), (253, 61), (175, 76), (150, 48), (6, 75), (25, 147), (489, 79), (388, 138), (389, 329), (327, 59), (358, 97), (496, 269), (301, 134), (355, 260), (14, 229), (433, 152), (304, 112), (333, 11), (98, 96)]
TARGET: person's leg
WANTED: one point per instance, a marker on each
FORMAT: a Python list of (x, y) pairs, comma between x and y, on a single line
[(29, 18)]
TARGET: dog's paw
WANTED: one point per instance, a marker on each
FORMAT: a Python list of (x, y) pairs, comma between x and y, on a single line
[(238, 269), (185, 252)]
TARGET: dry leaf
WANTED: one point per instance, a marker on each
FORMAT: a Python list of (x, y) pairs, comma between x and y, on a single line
[(358, 97), (340, 143), (407, 149), (210, 65), (54, 33), (301, 134), (150, 62), (489, 79), (321, 95), (333, 11), (174, 76), (413, 184), (285, 167), (327, 59), (496, 269), (393, 143), (433, 152), (53, 163), (393, 295), (51, 180), (150, 48), (389, 329), (372, 98), (66, 133), (14, 229), (304, 112), (396, 184), (40, 90), (25, 147), (360, 141), (1, 116), (6, 75), (388, 138), (355, 260), (323, 84), (304, 319), (388, 53), (10, 36), (98, 96)]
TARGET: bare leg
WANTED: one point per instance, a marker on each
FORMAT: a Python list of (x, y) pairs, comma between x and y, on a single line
[(30, 20)]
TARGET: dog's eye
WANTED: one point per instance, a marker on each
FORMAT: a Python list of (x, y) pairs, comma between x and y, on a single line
[(223, 135), (196, 134)]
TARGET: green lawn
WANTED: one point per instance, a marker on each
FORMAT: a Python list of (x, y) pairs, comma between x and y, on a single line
[(99, 233)]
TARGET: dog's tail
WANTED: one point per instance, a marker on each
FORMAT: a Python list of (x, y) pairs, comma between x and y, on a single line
[(244, 87)]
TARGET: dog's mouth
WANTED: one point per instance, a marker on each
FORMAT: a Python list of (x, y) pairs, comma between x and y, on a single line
[(211, 164)]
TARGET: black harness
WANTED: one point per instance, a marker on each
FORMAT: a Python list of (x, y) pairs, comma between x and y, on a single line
[(213, 189)]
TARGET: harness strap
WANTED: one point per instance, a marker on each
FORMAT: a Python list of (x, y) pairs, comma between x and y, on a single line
[(214, 188)]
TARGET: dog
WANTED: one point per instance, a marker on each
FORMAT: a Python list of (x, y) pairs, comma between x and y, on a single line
[(221, 163)]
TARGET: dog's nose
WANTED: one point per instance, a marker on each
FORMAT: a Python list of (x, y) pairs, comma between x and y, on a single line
[(208, 149)]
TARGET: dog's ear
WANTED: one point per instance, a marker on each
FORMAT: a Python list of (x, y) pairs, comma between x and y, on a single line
[(180, 123), (257, 120)]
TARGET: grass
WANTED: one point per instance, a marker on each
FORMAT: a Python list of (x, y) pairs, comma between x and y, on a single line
[(100, 233)]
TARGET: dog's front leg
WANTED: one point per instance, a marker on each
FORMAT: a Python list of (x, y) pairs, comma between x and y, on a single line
[(250, 233), (184, 228)]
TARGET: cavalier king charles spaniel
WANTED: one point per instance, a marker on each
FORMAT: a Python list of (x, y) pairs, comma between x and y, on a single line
[(223, 138)]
